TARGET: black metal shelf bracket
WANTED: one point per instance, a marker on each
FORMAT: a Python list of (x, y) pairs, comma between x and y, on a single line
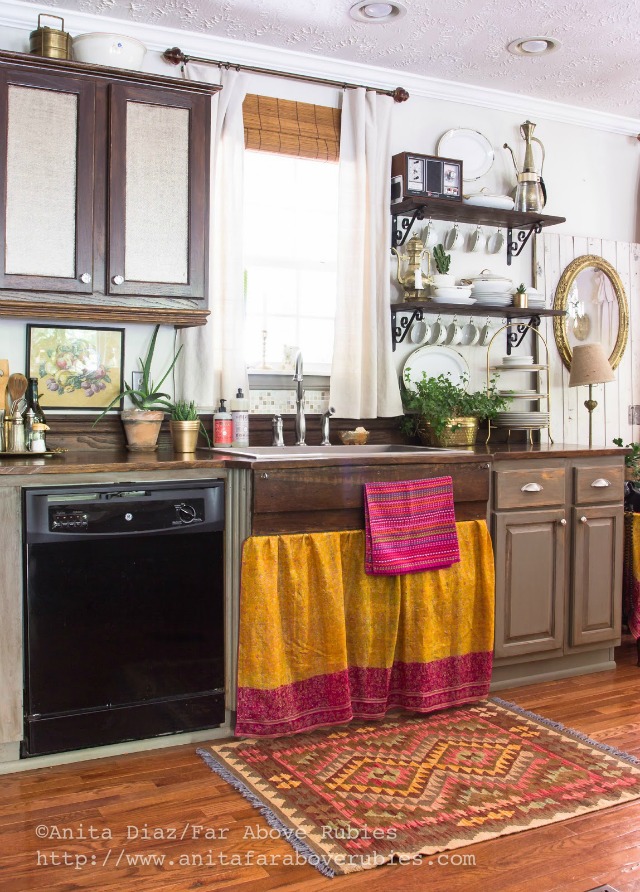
[(514, 248), (515, 338), (399, 236), (399, 332)]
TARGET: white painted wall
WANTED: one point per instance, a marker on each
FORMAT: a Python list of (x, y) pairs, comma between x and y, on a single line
[(591, 172)]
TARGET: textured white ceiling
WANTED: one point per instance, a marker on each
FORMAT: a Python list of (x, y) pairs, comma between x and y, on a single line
[(597, 66)]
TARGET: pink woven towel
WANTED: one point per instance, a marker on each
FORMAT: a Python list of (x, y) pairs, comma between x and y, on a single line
[(410, 525)]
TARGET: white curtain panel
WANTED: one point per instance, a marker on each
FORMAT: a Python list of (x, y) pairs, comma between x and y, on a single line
[(212, 363), (364, 382)]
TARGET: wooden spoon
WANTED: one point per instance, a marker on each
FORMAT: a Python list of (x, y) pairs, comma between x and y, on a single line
[(16, 388)]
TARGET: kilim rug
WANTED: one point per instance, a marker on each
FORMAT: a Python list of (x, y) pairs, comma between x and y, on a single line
[(356, 797)]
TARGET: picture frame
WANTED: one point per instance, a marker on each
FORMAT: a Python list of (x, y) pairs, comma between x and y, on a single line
[(79, 368)]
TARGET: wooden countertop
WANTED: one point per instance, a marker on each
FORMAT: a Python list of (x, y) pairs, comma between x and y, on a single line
[(96, 461), (99, 460)]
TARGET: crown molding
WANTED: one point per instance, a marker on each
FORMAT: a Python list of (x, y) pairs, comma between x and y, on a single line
[(23, 17)]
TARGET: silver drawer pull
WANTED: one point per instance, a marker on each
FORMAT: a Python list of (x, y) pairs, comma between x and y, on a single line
[(600, 482), (583, 519), (531, 487)]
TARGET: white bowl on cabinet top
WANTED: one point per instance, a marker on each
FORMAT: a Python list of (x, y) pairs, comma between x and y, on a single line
[(114, 50)]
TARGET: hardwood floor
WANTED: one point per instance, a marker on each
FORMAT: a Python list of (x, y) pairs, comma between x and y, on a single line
[(119, 801)]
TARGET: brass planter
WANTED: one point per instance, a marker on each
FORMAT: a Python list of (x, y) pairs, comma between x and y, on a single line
[(141, 428), (184, 435), (459, 432)]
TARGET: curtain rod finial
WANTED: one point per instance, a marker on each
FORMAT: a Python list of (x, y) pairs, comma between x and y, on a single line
[(175, 56), (400, 94)]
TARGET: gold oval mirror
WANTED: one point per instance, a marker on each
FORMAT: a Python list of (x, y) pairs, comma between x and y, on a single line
[(591, 293)]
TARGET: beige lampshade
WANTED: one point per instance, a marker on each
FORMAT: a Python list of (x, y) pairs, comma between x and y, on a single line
[(589, 365)]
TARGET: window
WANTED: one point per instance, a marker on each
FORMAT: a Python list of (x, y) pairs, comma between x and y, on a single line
[(290, 231), (290, 249)]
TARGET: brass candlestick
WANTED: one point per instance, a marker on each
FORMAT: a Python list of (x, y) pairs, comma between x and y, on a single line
[(413, 279)]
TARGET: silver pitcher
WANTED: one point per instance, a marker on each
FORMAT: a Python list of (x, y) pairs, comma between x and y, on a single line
[(531, 194)]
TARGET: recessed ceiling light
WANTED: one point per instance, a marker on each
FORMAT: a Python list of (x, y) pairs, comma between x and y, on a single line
[(533, 46), (376, 13)]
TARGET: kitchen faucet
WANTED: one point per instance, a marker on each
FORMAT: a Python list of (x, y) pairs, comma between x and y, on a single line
[(300, 420)]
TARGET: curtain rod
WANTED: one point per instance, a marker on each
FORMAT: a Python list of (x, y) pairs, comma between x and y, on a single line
[(176, 57)]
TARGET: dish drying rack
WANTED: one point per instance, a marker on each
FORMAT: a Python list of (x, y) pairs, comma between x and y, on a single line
[(537, 396)]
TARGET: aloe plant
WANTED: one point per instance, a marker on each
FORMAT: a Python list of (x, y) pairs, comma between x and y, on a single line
[(184, 411), (148, 395)]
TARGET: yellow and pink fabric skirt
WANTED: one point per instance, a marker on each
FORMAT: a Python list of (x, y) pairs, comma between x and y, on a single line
[(322, 643)]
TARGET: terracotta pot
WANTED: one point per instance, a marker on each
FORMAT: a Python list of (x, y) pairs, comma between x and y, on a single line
[(184, 435), (141, 428), (459, 432)]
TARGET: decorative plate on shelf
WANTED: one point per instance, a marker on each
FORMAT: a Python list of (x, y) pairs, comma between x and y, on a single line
[(471, 147), (435, 361)]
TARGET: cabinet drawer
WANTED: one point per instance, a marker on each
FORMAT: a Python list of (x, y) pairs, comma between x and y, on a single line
[(604, 483), (529, 487)]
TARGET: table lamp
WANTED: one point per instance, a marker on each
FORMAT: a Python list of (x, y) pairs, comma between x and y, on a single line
[(589, 365)]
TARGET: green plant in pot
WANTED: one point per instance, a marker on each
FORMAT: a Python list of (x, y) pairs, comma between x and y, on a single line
[(185, 426), (632, 461), (442, 413), (442, 261), (142, 422)]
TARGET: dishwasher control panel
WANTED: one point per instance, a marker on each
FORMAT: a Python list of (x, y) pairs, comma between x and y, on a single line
[(112, 510), (127, 516), (66, 519)]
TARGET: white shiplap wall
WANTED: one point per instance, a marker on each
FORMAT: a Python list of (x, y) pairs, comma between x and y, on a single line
[(569, 418)]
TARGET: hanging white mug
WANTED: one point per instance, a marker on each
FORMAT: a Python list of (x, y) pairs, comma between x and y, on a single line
[(470, 334), (454, 333), (419, 332), (495, 242), (437, 334), (486, 333), (429, 235), (452, 237), (476, 240)]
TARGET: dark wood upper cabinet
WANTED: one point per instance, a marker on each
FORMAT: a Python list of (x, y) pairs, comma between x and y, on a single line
[(46, 182), (104, 192), (159, 151)]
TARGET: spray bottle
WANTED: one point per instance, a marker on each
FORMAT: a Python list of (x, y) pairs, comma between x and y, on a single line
[(222, 426), (240, 415)]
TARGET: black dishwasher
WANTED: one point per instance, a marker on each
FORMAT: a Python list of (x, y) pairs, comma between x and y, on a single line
[(123, 612)]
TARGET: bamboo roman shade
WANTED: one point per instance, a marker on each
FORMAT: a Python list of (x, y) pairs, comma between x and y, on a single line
[(291, 128)]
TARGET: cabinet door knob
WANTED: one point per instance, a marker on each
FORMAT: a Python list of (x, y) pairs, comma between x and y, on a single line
[(85, 278), (563, 522), (117, 280), (601, 481), (583, 519), (264, 476), (531, 487)]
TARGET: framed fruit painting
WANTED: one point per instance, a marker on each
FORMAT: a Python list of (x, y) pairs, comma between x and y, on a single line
[(76, 368)]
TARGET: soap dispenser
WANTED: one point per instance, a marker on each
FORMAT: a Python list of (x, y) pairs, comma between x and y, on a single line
[(240, 415), (222, 426)]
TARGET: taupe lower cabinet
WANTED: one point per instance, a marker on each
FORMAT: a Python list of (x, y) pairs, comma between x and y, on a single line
[(103, 180), (558, 539)]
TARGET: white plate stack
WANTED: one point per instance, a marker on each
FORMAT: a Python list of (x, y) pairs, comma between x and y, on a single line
[(521, 419), (516, 360), (535, 299), (494, 299)]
